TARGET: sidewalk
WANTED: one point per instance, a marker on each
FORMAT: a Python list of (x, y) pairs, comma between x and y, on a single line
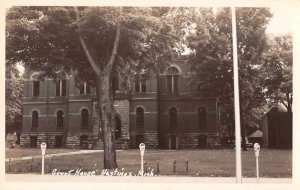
[(156, 179), (57, 154)]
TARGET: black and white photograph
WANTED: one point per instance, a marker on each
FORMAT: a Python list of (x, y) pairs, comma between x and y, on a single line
[(170, 95)]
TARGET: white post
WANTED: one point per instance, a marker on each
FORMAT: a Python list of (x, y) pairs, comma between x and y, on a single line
[(257, 170), (43, 148), (142, 149), (236, 101), (43, 163), (256, 151), (142, 164)]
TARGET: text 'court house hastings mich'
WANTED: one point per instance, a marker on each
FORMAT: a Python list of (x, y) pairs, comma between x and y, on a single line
[(166, 111)]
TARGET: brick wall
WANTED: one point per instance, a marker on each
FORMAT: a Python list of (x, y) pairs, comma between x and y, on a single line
[(156, 115)]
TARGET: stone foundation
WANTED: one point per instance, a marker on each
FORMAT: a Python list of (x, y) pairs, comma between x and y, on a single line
[(122, 144), (192, 141), (213, 141), (188, 140), (25, 139), (151, 139), (73, 141), (49, 138)]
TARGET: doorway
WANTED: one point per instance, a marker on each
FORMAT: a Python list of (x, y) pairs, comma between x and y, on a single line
[(173, 142)]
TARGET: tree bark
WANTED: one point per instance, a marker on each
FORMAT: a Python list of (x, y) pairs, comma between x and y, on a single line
[(107, 114), (289, 102), (244, 147)]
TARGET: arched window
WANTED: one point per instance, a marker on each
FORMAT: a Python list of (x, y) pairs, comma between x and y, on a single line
[(118, 128), (84, 118), (202, 117), (172, 80), (35, 84), (139, 117), (173, 117), (60, 119), (35, 120)]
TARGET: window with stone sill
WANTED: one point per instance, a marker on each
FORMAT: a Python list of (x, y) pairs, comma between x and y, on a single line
[(172, 80), (84, 88), (36, 88), (140, 83), (61, 87)]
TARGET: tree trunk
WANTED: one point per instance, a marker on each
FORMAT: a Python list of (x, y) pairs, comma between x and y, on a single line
[(107, 115), (244, 147), (289, 103)]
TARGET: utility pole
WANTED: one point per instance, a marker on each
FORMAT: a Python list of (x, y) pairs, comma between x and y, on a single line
[(236, 100)]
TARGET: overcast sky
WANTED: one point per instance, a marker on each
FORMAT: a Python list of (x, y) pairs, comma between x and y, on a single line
[(282, 21)]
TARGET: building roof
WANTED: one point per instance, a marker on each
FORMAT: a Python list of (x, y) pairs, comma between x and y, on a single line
[(280, 108), (256, 134)]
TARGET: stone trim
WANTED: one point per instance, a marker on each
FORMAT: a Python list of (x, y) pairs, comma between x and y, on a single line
[(151, 139)]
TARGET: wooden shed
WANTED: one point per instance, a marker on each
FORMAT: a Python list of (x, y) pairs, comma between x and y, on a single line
[(277, 129), (256, 137)]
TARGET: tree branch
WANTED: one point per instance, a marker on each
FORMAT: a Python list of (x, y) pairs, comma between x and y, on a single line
[(84, 45), (284, 103), (116, 44)]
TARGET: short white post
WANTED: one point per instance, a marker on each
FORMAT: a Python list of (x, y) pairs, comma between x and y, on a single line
[(43, 148), (256, 150), (142, 149)]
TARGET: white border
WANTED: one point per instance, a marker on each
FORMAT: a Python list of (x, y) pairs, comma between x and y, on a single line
[(292, 5)]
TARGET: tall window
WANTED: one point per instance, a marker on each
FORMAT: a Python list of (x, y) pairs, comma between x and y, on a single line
[(35, 120), (202, 117), (84, 88), (172, 80), (61, 88), (60, 119), (118, 128), (173, 117), (36, 88), (140, 83), (139, 117), (84, 118)]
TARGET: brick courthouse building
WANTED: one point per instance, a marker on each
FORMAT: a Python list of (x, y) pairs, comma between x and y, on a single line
[(163, 112)]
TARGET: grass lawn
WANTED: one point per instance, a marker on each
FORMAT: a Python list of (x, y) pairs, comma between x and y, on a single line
[(273, 162)]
